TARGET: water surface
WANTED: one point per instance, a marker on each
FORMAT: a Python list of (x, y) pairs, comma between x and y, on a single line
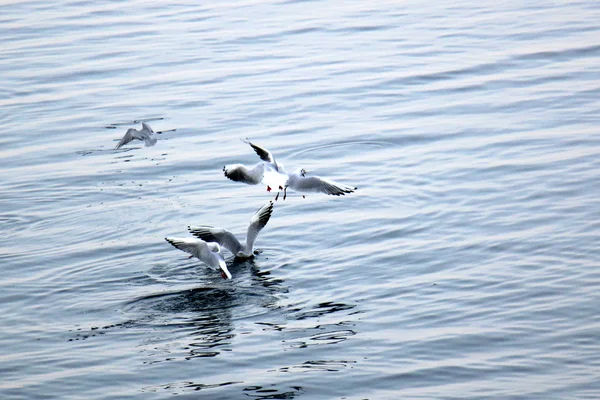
[(464, 266)]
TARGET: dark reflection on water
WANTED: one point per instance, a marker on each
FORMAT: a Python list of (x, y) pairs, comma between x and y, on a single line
[(186, 386), (321, 309), (208, 319), (261, 392), (204, 316), (319, 365)]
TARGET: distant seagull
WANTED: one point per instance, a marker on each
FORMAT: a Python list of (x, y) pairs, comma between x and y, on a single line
[(146, 134), (228, 240), (208, 253), (272, 174)]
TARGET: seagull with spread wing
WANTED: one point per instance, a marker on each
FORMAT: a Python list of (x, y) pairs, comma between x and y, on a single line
[(146, 134), (272, 174), (226, 239)]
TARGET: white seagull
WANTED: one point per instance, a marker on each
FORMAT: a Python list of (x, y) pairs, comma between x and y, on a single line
[(272, 174), (228, 240), (146, 134), (209, 253)]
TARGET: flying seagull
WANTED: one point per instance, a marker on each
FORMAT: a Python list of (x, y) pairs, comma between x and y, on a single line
[(271, 173), (146, 134)]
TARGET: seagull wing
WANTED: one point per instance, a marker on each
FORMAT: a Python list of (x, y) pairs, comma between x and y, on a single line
[(128, 137), (200, 249), (316, 184), (257, 222), (194, 247), (146, 127), (241, 173), (263, 153), (222, 236)]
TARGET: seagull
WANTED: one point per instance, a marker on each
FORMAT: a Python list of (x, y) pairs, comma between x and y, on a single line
[(209, 253), (146, 134), (226, 239), (272, 174)]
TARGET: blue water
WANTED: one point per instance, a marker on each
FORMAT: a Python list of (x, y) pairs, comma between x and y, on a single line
[(465, 266)]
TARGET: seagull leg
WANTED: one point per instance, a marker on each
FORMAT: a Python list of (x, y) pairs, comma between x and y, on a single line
[(276, 197), (284, 192)]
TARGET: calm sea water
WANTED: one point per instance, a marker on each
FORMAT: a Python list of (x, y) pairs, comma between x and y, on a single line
[(465, 266)]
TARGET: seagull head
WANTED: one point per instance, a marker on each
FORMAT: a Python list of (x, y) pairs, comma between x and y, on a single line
[(301, 171)]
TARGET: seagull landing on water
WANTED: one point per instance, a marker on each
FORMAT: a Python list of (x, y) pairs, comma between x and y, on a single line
[(226, 239), (272, 174), (208, 253), (146, 134)]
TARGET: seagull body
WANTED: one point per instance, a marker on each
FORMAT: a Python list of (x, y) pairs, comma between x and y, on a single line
[(208, 253), (271, 173), (146, 134), (226, 239)]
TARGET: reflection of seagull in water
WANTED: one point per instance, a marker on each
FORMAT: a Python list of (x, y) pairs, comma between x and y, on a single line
[(228, 240), (271, 173), (146, 134), (205, 252)]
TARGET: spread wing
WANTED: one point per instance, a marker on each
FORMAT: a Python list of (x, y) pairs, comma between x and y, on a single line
[(316, 184), (257, 222), (263, 153), (146, 127), (241, 173), (203, 251), (195, 247), (128, 137), (221, 236)]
